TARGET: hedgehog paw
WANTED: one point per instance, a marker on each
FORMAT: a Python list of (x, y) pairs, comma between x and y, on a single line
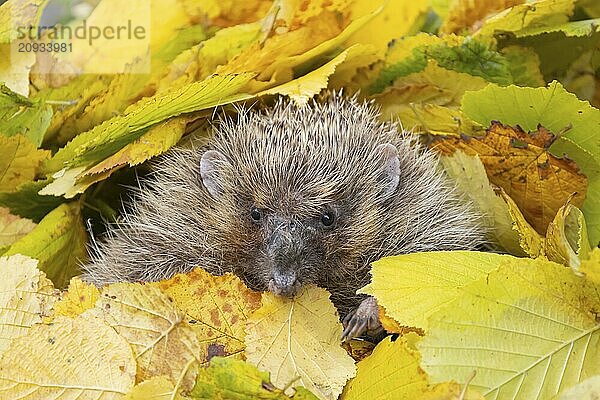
[(363, 320)]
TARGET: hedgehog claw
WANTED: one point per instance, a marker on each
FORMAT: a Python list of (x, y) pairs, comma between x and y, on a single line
[(365, 319)]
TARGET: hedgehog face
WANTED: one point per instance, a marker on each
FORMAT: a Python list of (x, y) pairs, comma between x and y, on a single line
[(300, 229)]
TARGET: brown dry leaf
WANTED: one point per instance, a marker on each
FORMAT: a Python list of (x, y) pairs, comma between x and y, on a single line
[(298, 342), (358, 348), (469, 15), (162, 340), (26, 296), (79, 297), (519, 162), (217, 307), (79, 358), (13, 228)]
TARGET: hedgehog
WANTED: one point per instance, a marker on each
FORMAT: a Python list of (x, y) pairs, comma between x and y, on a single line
[(287, 197)]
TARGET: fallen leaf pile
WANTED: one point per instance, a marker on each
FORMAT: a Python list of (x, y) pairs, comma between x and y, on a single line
[(505, 92)]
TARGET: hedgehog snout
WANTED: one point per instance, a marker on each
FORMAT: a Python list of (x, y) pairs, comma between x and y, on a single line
[(284, 283), (285, 248)]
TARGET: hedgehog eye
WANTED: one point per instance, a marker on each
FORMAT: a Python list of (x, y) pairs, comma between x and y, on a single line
[(255, 214), (327, 218)]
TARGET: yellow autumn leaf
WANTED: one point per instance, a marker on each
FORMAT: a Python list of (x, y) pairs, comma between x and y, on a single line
[(468, 15), (152, 24), (217, 308), (156, 388), (411, 287), (540, 13), (566, 239), (358, 349), (107, 138), (223, 13), (396, 19), (291, 52), (298, 342), (200, 61), (159, 333), (12, 228), (391, 372), (19, 161), (350, 74), (58, 242), (79, 297), (64, 183), (26, 297), (79, 358), (428, 100), (530, 241), (14, 69), (589, 389), (528, 329), (228, 379), (450, 391), (591, 266), (469, 174), (301, 90), (160, 138), (157, 140)]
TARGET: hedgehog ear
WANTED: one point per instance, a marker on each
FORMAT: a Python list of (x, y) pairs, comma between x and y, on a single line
[(391, 167), (211, 171)]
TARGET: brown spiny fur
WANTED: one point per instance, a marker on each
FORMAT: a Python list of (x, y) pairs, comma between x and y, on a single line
[(292, 164)]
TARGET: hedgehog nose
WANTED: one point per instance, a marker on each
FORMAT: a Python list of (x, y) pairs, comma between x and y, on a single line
[(284, 283)]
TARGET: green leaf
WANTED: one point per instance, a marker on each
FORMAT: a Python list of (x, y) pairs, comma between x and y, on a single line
[(524, 65), (92, 99), (58, 242), (469, 56), (157, 140), (548, 45), (570, 29), (472, 57), (27, 203), (110, 136), (21, 116), (527, 329), (559, 111), (227, 378)]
